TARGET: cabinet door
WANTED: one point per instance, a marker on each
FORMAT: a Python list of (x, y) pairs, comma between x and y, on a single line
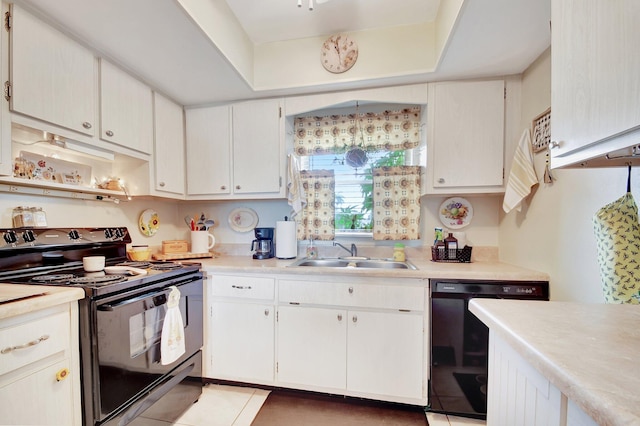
[(466, 128), (126, 109), (52, 77), (385, 354), (168, 155), (242, 342), (257, 154), (594, 74), (39, 399), (312, 347), (208, 151)]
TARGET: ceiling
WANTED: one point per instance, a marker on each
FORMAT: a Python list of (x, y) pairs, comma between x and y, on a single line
[(157, 41)]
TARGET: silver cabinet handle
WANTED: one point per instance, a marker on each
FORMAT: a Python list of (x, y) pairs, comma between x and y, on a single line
[(339, 317), (223, 187), (354, 318), (109, 133), (554, 144), (237, 186), (350, 290), (441, 180), (241, 287), (266, 312), (26, 345), (86, 125), (161, 184)]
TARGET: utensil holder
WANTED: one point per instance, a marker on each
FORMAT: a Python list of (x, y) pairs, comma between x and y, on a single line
[(463, 255)]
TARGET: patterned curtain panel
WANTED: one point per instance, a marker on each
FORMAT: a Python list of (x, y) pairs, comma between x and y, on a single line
[(316, 220), (336, 134), (396, 203)]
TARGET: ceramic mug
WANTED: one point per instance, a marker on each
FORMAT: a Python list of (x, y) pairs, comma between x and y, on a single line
[(202, 241), (93, 263)]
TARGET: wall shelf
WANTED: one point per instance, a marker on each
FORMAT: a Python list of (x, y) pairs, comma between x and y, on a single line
[(36, 187)]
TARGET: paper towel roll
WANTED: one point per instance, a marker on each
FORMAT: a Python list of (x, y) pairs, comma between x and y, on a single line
[(286, 243)]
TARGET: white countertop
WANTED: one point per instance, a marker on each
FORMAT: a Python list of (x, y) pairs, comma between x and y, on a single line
[(590, 352), (426, 269), (50, 296)]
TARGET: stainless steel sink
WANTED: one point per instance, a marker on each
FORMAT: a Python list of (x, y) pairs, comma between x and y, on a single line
[(360, 263)]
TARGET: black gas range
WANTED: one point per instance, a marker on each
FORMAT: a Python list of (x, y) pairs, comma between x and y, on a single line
[(121, 318)]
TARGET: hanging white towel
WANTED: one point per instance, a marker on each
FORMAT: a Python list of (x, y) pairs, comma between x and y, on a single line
[(522, 176), (172, 339), (296, 196)]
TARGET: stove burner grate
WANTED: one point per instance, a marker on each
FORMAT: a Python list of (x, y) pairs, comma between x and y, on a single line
[(165, 266), (141, 265), (52, 278), (106, 279)]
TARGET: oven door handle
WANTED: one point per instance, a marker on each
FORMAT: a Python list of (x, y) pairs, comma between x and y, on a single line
[(159, 299)]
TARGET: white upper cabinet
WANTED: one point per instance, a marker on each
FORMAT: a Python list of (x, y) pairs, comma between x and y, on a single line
[(52, 77), (126, 109), (208, 151), (258, 156), (168, 155), (236, 152), (465, 140), (595, 107)]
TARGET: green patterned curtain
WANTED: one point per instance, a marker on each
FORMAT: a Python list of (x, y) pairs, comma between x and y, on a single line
[(385, 131), (396, 203)]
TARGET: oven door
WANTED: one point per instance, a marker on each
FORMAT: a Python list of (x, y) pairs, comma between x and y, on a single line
[(128, 334)]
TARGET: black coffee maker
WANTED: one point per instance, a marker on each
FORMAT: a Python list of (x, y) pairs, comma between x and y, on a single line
[(263, 244)]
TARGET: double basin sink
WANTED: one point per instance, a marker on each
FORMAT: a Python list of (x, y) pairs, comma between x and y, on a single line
[(353, 262)]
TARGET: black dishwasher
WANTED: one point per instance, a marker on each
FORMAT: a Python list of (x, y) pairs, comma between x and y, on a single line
[(459, 341)]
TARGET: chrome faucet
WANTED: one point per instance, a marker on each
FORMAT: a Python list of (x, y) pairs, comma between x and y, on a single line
[(353, 251)]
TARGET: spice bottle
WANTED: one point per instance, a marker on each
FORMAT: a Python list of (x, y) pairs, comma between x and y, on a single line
[(451, 245), (398, 253)]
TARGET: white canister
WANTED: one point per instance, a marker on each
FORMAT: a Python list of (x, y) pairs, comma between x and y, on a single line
[(286, 242)]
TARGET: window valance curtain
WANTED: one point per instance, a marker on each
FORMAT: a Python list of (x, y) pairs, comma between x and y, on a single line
[(385, 131), (396, 203), (317, 218)]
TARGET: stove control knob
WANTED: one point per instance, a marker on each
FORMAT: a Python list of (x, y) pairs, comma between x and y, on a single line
[(28, 236), (10, 237), (108, 233), (119, 234), (74, 234)]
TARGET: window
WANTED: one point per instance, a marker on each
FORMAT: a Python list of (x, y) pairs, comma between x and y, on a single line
[(354, 186), (361, 173)]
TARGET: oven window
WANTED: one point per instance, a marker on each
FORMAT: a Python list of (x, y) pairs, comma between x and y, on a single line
[(145, 330)]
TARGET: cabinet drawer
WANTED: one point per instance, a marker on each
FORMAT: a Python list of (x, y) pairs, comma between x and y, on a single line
[(246, 287), (377, 296), (31, 341)]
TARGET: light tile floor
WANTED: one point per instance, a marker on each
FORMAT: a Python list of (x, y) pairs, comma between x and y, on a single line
[(222, 405)]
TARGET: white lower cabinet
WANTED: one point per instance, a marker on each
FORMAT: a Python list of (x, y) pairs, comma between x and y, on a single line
[(385, 353), (312, 345), (521, 395), (362, 337), (353, 337), (240, 329), (242, 341), (39, 368)]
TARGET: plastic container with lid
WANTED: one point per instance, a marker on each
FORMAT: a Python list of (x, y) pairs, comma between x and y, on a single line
[(398, 253)]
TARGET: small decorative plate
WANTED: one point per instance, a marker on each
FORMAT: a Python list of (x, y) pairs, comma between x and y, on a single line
[(456, 213), (243, 219), (149, 222)]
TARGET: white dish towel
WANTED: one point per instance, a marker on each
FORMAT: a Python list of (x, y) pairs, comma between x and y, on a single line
[(296, 196), (172, 339), (522, 176)]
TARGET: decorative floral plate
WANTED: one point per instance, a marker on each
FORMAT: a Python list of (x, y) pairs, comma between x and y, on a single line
[(243, 219), (149, 222), (456, 213)]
